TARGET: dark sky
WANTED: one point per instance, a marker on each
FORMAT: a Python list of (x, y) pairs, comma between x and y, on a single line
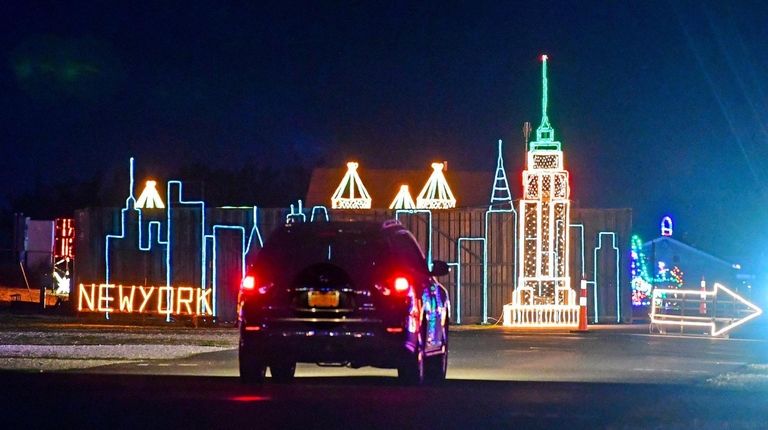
[(661, 106)]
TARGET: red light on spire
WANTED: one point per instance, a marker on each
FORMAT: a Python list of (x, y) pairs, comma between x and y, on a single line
[(544, 57)]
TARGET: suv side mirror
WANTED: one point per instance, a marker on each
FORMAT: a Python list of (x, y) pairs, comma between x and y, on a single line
[(439, 268)]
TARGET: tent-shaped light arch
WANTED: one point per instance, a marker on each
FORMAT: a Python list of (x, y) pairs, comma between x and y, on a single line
[(351, 193), (403, 199), (436, 193)]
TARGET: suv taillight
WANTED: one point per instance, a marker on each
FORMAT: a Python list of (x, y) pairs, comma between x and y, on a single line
[(402, 284), (249, 283), (395, 286)]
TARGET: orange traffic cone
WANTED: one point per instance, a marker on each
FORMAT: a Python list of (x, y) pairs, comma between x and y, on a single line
[(583, 307)]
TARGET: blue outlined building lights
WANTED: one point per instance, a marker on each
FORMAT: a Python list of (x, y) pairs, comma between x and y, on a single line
[(500, 193), (200, 290)]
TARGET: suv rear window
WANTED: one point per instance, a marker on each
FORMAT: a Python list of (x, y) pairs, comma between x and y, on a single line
[(290, 250)]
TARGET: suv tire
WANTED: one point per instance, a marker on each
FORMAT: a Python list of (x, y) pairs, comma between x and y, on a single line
[(411, 371), (283, 371), (252, 370)]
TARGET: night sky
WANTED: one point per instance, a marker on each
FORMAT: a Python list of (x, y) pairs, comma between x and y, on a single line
[(661, 106)]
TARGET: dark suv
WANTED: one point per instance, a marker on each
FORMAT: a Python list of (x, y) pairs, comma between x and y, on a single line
[(343, 293)]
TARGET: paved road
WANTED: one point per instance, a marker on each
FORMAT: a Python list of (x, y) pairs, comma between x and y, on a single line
[(498, 379), (602, 355), (158, 401)]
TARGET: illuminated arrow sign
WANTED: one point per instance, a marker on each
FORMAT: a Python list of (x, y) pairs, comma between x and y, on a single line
[(720, 310)]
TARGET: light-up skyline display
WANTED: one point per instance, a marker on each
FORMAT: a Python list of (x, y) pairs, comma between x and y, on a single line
[(543, 295)]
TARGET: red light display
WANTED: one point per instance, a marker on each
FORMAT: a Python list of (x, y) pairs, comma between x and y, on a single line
[(64, 238)]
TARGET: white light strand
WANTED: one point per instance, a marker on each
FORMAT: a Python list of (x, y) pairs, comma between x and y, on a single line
[(150, 198), (351, 193), (436, 193), (403, 199), (666, 301), (543, 296)]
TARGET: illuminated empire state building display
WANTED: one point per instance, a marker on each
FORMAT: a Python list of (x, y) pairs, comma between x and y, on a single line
[(543, 296)]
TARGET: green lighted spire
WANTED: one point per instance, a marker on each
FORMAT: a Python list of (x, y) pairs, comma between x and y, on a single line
[(545, 134)]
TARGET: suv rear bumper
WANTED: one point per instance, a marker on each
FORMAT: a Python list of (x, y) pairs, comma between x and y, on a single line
[(357, 341)]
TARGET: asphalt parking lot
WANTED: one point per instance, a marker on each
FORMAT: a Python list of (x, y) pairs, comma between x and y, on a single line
[(160, 376), (608, 354)]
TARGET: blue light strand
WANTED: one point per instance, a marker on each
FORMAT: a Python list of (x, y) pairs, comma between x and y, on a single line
[(581, 230), (319, 208), (296, 214), (254, 230), (500, 192), (245, 248), (130, 204), (491, 210), (157, 227), (458, 276), (594, 273), (214, 279), (429, 228), (181, 201)]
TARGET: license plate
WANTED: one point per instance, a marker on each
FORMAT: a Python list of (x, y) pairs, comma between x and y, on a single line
[(321, 299)]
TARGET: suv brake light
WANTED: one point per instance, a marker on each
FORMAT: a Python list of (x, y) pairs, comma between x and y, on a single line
[(249, 283), (402, 284)]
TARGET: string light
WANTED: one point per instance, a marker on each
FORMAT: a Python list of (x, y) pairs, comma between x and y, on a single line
[(666, 226), (63, 254), (677, 276), (458, 263), (582, 246), (99, 298), (617, 257), (250, 234), (295, 215), (500, 192), (547, 189), (351, 193), (150, 198), (638, 272), (429, 227), (403, 199), (436, 193), (319, 209), (543, 296), (667, 301)]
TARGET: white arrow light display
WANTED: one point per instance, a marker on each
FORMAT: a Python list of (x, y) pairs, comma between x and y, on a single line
[(720, 310)]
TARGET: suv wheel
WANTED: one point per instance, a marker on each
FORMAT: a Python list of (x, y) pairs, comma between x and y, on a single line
[(411, 371), (435, 367), (252, 369), (283, 371)]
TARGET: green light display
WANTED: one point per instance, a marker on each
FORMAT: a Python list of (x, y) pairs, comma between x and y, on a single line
[(545, 134), (640, 277)]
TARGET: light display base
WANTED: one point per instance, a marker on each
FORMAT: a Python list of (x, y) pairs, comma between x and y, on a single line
[(566, 316)]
